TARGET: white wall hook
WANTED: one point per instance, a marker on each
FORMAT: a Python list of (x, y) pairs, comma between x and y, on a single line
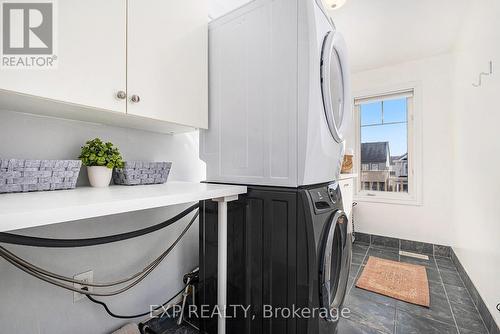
[(484, 74)]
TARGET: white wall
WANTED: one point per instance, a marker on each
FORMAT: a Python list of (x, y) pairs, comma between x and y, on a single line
[(477, 152), (31, 306), (431, 221), (461, 152)]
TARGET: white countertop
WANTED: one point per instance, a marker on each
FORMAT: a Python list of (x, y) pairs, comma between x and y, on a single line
[(347, 176), (24, 210)]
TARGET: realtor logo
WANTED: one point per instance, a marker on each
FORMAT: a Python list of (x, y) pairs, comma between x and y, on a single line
[(28, 34)]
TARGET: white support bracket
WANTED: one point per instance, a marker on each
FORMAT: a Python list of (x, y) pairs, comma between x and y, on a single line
[(222, 260)]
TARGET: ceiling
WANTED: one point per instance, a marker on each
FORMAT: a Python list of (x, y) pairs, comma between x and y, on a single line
[(384, 32)]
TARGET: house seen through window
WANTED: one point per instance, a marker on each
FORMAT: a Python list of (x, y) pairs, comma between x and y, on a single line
[(384, 143)]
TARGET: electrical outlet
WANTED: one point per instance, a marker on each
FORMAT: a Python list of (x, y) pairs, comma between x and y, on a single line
[(85, 277)]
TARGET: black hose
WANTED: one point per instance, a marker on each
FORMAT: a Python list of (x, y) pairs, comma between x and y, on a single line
[(15, 239), (114, 315), (49, 277)]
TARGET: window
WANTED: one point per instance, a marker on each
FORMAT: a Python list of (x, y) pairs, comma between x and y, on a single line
[(385, 146)]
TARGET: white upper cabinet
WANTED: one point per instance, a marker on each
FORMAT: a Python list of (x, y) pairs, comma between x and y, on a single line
[(136, 63), (90, 45), (167, 55)]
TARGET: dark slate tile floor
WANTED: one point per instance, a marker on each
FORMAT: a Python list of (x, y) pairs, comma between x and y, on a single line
[(169, 326), (451, 309)]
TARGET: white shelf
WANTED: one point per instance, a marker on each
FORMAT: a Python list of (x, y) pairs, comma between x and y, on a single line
[(24, 210), (347, 176)]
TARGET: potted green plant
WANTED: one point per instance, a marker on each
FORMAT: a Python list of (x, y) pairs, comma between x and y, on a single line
[(100, 159)]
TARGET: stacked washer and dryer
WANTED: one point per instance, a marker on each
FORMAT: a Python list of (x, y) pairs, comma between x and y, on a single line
[(279, 106)]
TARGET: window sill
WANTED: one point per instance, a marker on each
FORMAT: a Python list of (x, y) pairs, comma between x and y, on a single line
[(387, 200)]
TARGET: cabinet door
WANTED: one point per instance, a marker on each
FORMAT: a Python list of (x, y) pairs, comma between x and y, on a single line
[(347, 190), (90, 45), (167, 60)]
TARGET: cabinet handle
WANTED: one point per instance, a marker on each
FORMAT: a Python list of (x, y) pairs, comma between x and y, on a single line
[(121, 95), (135, 98)]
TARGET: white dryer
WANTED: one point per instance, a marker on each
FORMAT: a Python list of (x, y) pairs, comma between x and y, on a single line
[(279, 96)]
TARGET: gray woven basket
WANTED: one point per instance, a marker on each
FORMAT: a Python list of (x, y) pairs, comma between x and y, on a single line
[(38, 175), (142, 172)]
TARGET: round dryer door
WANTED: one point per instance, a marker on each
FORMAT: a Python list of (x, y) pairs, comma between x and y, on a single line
[(335, 84), (332, 266)]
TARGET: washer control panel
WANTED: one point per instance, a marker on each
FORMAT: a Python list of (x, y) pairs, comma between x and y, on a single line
[(325, 198), (320, 199)]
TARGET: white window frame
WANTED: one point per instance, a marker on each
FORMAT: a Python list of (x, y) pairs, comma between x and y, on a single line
[(414, 195)]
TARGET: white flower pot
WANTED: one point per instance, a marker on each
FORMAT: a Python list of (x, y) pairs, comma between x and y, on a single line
[(99, 176)]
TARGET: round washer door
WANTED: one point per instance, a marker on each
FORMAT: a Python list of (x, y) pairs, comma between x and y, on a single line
[(332, 271), (335, 85)]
